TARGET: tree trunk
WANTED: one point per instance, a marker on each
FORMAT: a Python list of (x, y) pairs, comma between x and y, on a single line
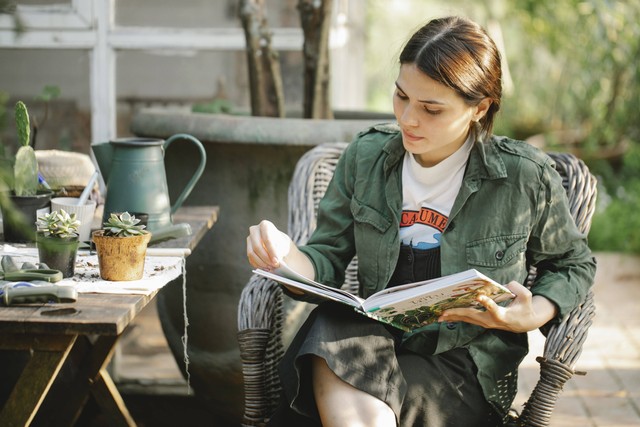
[(265, 80), (315, 17)]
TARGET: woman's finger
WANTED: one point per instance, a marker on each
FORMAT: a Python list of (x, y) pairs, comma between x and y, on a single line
[(521, 292), (276, 243), (267, 233), (254, 259), (257, 253)]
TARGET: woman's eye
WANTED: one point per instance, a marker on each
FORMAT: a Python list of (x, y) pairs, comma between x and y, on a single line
[(432, 112), (401, 95), (429, 111)]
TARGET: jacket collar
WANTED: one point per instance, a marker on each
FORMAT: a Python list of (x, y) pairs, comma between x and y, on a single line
[(394, 150), (485, 161)]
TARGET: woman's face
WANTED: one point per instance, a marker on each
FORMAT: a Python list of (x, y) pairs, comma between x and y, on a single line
[(434, 120)]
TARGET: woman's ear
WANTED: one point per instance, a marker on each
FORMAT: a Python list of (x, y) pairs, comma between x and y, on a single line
[(481, 109)]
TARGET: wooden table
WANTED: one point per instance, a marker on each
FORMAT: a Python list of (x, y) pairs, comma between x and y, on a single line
[(83, 334)]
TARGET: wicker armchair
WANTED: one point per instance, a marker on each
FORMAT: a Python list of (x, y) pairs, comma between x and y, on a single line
[(261, 314)]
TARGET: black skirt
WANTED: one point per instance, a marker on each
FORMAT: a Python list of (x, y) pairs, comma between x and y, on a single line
[(436, 391), (422, 390)]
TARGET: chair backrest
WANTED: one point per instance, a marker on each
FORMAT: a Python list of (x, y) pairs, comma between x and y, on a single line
[(310, 179), (315, 169), (581, 187), (260, 316)]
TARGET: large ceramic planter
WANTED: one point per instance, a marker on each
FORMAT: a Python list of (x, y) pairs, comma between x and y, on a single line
[(20, 217), (250, 162), (58, 254), (121, 258)]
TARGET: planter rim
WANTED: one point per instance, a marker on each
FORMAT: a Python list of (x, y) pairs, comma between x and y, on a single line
[(231, 129), (39, 194), (100, 234), (40, 236)]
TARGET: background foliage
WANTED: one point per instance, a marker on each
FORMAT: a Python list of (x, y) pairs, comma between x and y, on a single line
[(571, 65), (572, 68)]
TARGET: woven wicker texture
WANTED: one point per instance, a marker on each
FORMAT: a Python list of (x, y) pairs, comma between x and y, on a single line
[(260, 316)]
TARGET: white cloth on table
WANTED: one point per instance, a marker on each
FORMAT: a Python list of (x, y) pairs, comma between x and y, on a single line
[(158, 271)]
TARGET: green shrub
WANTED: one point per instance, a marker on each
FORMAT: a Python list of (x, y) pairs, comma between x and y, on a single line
[(616, 227), (616, 223)]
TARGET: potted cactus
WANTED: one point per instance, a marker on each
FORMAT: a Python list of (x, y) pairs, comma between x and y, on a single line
[(26, 201), (57, 241), (121, 246)]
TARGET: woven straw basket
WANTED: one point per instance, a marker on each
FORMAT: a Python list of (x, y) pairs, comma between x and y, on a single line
[(64, 168)]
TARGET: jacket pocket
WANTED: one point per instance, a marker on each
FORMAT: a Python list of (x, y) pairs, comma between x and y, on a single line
[(363, 214), (369, 229), (497, 251)]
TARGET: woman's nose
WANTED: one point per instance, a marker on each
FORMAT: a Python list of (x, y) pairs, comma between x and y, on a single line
[(409, 116)]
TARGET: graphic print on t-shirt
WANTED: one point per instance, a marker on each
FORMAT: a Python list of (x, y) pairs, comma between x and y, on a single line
[(422, 229), (428, 194)]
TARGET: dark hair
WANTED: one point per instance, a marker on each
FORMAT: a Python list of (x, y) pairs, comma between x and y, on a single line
[(459, 53)]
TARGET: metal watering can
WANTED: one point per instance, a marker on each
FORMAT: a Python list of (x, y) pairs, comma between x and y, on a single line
[(134, 173)]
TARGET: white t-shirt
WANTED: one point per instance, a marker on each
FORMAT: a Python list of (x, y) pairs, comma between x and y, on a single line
[(428, 194)]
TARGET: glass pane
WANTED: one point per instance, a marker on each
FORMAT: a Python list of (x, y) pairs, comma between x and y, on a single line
[(42, 2), (147, 79), (198, 13), (66, 123)]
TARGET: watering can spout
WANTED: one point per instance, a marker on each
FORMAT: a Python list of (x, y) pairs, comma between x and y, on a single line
[(103, 152)]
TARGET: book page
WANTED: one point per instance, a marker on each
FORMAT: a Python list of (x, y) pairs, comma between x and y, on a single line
[(309, 286), (419, 304), (290, 273), (472, 278)]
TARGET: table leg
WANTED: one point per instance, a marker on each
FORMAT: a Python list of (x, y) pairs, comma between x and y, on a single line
[(93, 377), (26, 397), (108, 398)]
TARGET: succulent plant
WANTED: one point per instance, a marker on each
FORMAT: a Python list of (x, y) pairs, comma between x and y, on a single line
[(58, 224), (26, 166), (123, 225)]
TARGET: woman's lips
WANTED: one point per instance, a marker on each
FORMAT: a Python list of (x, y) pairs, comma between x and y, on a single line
[(411, 137)]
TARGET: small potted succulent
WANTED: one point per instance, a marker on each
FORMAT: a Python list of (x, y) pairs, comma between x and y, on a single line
[(57, 241), (27, 200), (121, 246)]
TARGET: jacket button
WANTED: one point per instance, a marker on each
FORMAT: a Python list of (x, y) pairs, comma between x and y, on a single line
[(499, 255), (451, 325)]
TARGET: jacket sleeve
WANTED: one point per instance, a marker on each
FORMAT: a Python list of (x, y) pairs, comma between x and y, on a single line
[(565, 266), (331, 246)]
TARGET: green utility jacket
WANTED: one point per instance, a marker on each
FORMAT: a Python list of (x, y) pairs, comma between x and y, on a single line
[(511, 212)]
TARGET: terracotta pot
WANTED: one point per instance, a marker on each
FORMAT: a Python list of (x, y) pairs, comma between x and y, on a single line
[(121, 258), (58, 254)]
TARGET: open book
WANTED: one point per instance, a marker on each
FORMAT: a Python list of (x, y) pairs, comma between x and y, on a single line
[(406, 307)]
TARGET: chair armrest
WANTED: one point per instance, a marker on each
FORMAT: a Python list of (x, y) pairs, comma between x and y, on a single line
[(562, 349), (260, 321)]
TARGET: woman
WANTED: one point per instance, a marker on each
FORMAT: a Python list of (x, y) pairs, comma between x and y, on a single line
[(434, 195)]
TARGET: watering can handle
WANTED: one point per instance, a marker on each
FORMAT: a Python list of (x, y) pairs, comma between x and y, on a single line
[(197, 173)]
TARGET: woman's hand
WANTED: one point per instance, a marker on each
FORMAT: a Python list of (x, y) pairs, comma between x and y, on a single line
[(523, 314), (267, 246)]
